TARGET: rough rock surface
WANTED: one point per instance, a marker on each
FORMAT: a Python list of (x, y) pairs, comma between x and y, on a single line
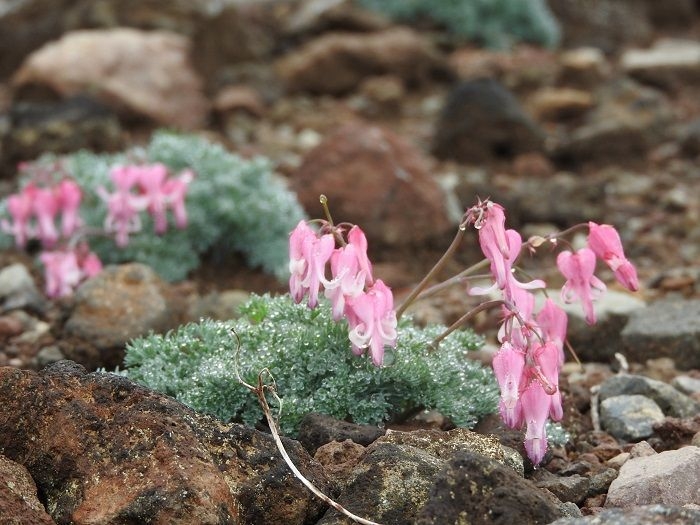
[(482, 120), (665, 328), (337, 63), (102, 449), (371, 177), (315, 430), (478, 490), (144, 73), (629, 417), (669, 478), (671, 401), (642, 515), (121, 303), (18, 498)]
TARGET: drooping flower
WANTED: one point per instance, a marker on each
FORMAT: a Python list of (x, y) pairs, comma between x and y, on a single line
[(536, 405), (69, 195), (580, 282), (175, 190), (508, 365), (546, 371), (372, 321), (123, 206), (605, 242), (151, 180), (553, 322), (21, 209), (62, 272), (308, 255), (45, 205), (350, 270)]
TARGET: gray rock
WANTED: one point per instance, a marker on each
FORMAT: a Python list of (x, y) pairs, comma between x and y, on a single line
[(572, 488), (121, 303), (628, 120), (669, 63), (670, 401), (599, 342), (686, 384), (669, 478), (666, 328), (48, 355), (629, 417), (477, 490), (18, 290), (642, 515), (482, 120), (599, 483)]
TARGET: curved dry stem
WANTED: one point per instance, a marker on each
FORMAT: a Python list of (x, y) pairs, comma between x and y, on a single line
[(259, 392)]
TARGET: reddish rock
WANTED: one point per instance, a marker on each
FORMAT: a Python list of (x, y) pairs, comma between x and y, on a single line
[(121, 303), (18, 498), (377, 180), (147, 73), (104, 450), (338, 62)]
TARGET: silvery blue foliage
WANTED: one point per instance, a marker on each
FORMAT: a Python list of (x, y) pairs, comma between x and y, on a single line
[(309, 356)]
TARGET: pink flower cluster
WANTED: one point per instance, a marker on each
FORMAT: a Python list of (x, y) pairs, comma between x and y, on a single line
[(366, 303), (531, 354), (34, 212), (139, 188)]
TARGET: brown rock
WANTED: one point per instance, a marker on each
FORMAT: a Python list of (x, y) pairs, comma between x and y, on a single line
[(560, 103), (339, 457), (144, 72), (105, 450), (375, 179), (121, 303), (338, 62), (18, 498)]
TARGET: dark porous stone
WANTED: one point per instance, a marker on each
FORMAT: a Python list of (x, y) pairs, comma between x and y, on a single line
[(316, 430), (482, 120), (102, 449), (667, 328), (572, 488), (477, 490)]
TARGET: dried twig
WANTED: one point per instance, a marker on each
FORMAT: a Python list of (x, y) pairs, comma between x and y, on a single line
[(259, 392)]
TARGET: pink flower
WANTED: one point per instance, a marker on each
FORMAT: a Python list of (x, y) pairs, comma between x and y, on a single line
[(501, 266), (553, 322), (308, 255), (508, 365), (350, 269), (61, 271), (151, 180), (536, 405), (69, 195), (45, 204), (372, 321), (580, 282), (606, 244), (492, 231), (123, 207), (20, 207), (175, 191), (546, 372)]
